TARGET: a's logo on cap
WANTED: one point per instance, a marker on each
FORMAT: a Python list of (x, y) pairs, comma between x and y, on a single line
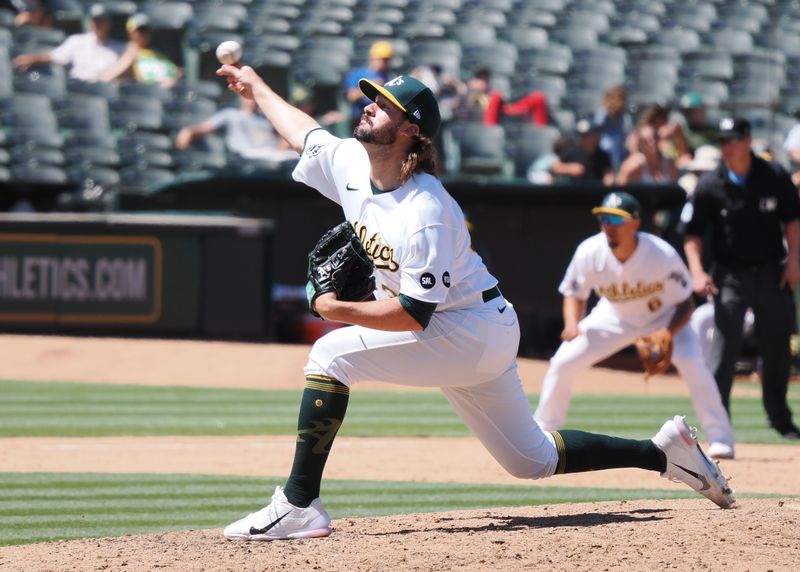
[(396, 81), (614, 201), (726, 123), (417, 114)]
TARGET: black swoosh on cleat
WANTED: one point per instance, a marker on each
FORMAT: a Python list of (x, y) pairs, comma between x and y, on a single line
[(503, 309), (254, 531), (697, 476), (349, 188)]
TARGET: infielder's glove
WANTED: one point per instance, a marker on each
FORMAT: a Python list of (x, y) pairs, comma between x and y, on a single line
[(339, 263), (655, 351)]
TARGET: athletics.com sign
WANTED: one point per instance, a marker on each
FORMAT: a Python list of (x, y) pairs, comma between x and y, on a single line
[(88, 279)]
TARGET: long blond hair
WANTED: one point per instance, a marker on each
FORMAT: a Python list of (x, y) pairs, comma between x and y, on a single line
[(421, 158)]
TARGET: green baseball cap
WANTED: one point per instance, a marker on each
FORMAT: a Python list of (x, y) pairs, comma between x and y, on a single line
[(412, 96), (619, 203)]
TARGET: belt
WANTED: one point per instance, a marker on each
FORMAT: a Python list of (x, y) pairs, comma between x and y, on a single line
[(490, 294)]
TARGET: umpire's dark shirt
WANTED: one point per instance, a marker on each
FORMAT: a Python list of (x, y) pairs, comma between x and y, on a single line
[(745, 220)]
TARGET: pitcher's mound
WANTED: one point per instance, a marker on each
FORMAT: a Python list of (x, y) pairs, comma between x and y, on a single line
[(628, 535)]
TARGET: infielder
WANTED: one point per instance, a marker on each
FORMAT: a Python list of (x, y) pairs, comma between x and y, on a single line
[(643, 287), (438, 321)]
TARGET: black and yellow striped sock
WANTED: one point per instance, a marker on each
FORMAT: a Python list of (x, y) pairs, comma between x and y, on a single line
[(579, 451), (321, 413)]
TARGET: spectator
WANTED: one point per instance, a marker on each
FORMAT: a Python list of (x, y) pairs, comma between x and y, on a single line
[(615, 124), (483, 102), (139, 62), (32, 13), (751, 209), (89, 54), (646, 162), (582, 159), (669, 134), (696, 128), (248, 134), (706, 158), (448, 89), (302, 98), (376, 70)]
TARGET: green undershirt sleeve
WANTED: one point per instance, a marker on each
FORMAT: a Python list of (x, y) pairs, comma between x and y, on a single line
[(419, 310)]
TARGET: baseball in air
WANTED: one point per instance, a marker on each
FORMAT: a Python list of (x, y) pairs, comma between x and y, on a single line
[(229, 52)]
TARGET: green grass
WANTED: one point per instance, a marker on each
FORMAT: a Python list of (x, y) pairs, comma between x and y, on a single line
[(38, 507), (43, 506), (29, 409)]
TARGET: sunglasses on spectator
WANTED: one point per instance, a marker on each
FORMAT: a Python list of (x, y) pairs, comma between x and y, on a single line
[(611, 219)]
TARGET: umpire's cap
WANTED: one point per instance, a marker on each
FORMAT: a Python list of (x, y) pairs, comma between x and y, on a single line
[(619, 203), (412, 96), (733, 128)]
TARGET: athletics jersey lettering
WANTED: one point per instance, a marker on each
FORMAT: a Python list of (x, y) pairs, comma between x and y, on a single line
[(382, 255), (624, 292)]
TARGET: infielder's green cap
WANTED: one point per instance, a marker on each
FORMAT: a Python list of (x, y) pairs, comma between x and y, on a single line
[(619, 203), (412, 96)]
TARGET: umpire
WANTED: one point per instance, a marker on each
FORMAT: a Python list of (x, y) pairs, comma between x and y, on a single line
[(752, 209)]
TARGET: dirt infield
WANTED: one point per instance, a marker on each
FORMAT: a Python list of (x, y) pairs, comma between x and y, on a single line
[(641, 535)]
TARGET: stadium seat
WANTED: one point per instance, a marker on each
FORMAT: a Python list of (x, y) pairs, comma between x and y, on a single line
[(583, 102), (708, 64), (500, 57), (84, 114), (90, 176), (577, 38), (587, 20), (141, 180), (109, 91), (682, 39), (143, 140), (33, 172), (554, 87), (49, 80), (475, 34), (480, 147), (553, 59), (86, 156), (147, 90), (526, 143), (731, 40), (42, 155), (528, 37), (136, 113), (29, 38)]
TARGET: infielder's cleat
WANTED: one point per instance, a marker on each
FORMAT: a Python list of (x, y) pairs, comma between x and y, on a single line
[(280, 520), (719, 450), (687, 463)]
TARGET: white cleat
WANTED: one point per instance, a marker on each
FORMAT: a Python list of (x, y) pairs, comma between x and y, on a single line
[(687, 463), (719, 450), (281, 520)]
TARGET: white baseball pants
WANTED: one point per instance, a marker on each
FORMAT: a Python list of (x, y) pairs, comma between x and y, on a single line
[(471, 355), (602, 336)]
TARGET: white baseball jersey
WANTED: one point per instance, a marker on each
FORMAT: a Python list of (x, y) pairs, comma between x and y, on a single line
[(416, 234), (637, 297), (637, 291), (417, 237)]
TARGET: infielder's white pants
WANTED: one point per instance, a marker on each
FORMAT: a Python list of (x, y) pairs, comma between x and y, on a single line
[(602, 337), (470, 354)]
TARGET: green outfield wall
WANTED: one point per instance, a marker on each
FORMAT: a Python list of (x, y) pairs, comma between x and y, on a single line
[(146, 273)]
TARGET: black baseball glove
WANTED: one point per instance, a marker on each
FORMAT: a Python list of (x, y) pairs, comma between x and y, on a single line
[(339, 263)]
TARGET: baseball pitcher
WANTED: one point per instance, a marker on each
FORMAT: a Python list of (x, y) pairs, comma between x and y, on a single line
[(436, 319), (645, 298)]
